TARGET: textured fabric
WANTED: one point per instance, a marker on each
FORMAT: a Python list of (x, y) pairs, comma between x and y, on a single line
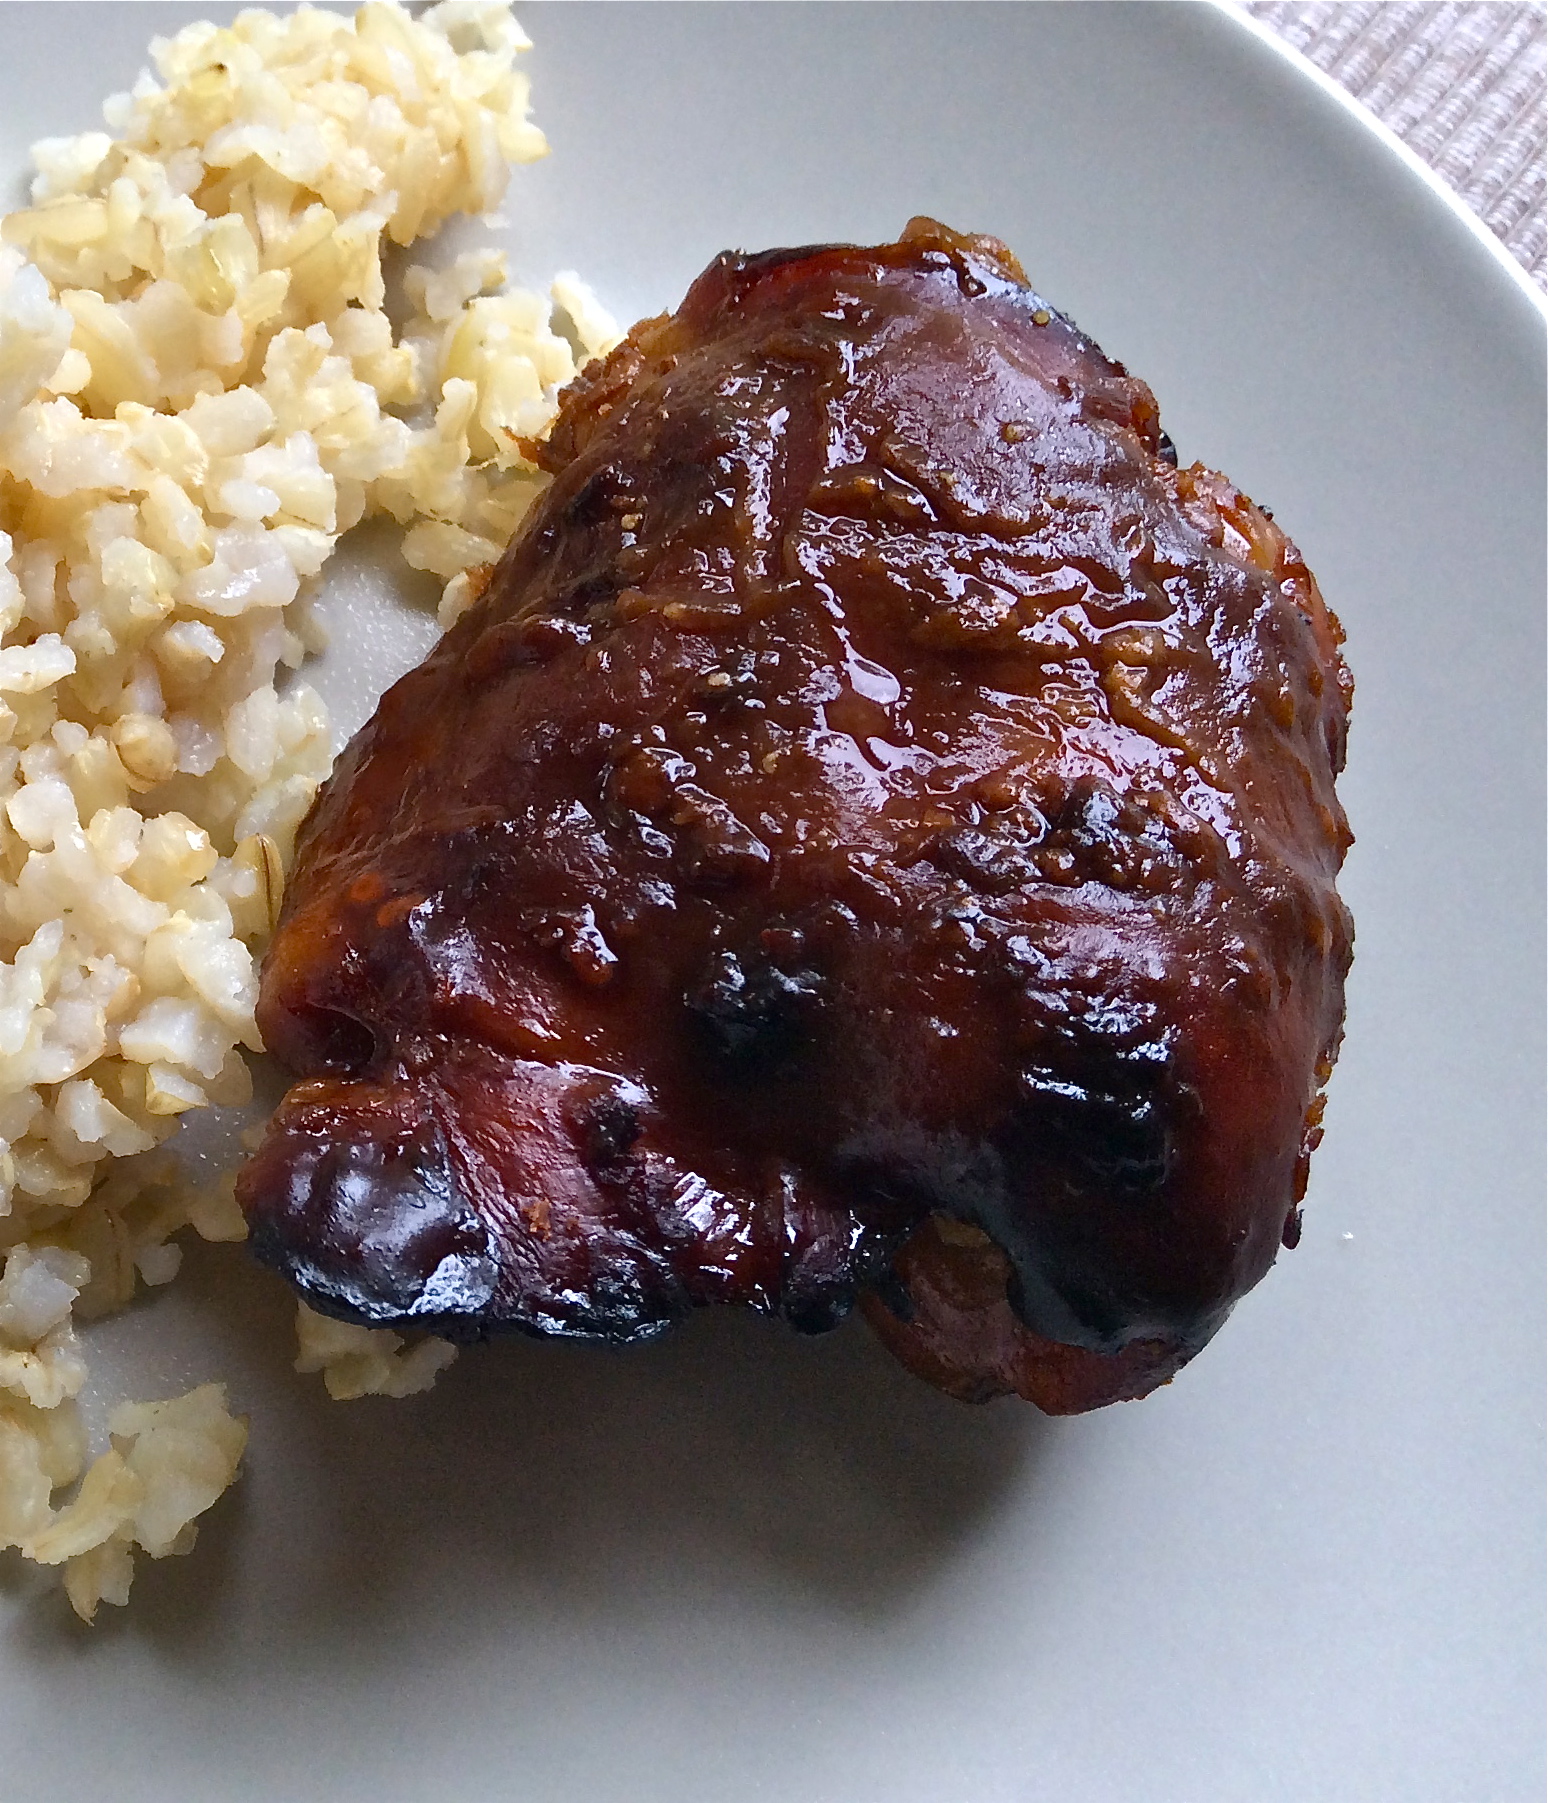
[(1460, 84)]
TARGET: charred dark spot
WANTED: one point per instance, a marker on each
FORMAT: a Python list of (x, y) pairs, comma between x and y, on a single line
[(991, 863), (593, 593), (377, 1230), (890, 1290), (1166, 450), (319, 1039), (1114, 1132), (752, 1015), (819, 1312), (610, 1127), (1100, 836), (626, 1306), (1090, 812), (605, 492)]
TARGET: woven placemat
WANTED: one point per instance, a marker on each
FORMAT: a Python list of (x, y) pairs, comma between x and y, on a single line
[(1463, 85)]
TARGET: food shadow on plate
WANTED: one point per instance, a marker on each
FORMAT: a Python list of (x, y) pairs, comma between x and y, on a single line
[(570, 1479)]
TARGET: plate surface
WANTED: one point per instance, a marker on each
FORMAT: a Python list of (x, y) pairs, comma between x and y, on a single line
[(737, 1566)]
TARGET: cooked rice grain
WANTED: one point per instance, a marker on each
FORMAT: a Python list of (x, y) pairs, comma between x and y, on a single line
[(200, 391)]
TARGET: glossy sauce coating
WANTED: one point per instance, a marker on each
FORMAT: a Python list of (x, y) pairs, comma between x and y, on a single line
[(874, 838)]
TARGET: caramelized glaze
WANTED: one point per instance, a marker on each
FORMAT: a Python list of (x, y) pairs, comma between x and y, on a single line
[(874, 836)]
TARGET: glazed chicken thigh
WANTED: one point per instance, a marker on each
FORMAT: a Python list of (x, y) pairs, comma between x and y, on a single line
[(873, 840)]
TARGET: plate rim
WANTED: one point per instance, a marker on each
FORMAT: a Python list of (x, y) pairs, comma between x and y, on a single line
[(1482, 235)]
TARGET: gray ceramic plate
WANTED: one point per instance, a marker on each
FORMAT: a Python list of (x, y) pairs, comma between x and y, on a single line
[(736, 1565)]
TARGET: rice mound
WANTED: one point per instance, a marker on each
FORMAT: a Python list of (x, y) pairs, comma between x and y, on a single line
[(200, 391)]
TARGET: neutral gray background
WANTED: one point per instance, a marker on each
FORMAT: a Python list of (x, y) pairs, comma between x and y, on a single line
[(740, 1566)]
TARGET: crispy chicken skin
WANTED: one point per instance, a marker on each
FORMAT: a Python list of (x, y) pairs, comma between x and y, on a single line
[(873, 840)]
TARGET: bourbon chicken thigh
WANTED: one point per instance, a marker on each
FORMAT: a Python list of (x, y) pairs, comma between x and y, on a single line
[(872, 841)]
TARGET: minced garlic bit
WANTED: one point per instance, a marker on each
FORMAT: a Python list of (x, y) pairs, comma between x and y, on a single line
[(200, 390)]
